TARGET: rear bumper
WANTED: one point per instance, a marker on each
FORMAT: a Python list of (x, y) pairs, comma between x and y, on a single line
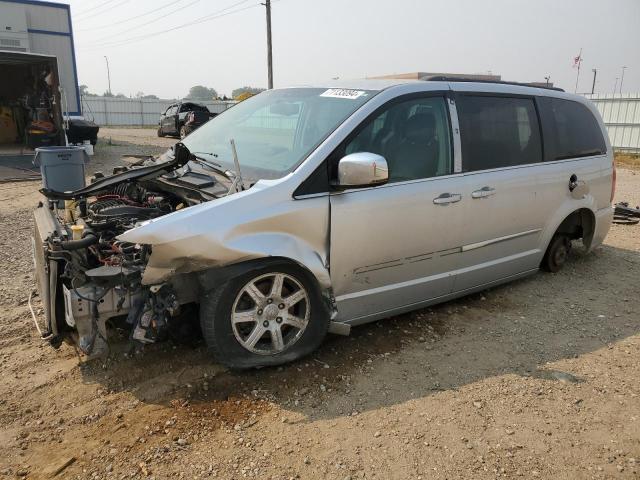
[(604, 217)]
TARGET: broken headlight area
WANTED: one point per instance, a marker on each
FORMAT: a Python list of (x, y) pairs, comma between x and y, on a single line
[(86, 276)]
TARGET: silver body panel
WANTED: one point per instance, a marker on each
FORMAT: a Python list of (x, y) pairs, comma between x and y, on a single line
[(386, 249), (385, 252)]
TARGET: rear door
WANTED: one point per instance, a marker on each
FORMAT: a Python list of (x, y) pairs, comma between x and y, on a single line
[(501, 155), (168, 122), (574, 147), (394, 245)]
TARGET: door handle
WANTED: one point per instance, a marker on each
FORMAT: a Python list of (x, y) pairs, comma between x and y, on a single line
[(447, 198), (484, 192)]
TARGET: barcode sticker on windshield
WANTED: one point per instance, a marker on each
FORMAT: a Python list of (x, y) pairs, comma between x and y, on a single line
[(342, 93)]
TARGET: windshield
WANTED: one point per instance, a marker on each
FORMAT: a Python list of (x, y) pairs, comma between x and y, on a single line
[(275, 130)]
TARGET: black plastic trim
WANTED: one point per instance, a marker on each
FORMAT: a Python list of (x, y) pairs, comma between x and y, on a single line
[(444, 78)]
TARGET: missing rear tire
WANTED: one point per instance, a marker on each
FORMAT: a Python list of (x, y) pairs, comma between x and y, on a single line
[(557, 253)]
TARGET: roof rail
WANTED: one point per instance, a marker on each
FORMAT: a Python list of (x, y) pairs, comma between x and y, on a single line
[(443, 78)]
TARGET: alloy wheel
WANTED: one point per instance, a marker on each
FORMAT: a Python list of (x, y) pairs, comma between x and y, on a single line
[(270, 313)]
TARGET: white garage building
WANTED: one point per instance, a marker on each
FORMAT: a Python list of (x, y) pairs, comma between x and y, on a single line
[(44, 28)]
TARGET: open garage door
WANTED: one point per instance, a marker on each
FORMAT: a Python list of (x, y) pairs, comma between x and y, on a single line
[(30, 110)]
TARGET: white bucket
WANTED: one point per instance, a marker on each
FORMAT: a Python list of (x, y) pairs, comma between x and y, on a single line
[(87, 147)]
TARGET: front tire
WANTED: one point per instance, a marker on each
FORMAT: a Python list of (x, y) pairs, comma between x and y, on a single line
[(183, 132), (160, 132), (267, 316)]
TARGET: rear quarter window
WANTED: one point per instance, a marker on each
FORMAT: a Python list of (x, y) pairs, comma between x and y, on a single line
[(498, 132), (570, 130), (198, 108)]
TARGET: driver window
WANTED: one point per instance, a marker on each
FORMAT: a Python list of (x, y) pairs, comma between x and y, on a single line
[(413, 136)]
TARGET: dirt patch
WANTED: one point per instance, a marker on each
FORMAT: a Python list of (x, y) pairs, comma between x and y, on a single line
[(535, 379), (627, 160)]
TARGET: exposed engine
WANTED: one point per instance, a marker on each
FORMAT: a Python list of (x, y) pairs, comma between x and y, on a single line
[(87, 276), (114, 212)]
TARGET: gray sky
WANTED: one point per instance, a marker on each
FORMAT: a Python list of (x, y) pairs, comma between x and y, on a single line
[(522, 40)]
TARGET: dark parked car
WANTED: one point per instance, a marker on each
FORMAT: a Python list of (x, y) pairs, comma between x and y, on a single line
[(180, 119)]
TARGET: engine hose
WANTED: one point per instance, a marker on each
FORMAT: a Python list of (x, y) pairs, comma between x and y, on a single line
[(43, 335), (85, 242)]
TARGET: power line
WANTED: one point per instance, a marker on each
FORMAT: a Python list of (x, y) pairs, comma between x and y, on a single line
[(131, 18), (102, 4), (135, 27), (220, 13), (93, 14)]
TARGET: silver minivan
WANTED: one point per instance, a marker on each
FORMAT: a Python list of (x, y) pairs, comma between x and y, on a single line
[(307, 210)]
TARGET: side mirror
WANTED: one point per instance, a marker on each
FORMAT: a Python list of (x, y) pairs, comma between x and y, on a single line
[(362, 169)]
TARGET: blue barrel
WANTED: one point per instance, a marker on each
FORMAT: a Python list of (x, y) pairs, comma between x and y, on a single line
[(62, 168)]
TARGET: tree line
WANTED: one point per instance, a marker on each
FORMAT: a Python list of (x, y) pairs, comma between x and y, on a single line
[(197, 92)]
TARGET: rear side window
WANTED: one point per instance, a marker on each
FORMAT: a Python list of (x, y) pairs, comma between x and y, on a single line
[(197, 108), (570, 130), (498, 132)]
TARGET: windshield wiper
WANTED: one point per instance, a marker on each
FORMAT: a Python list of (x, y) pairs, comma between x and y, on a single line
[(209, 164), (237, 182), (234, 177), (207, 153)]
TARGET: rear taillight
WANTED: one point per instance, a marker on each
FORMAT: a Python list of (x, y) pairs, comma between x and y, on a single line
[(192, 117), (613, 181)]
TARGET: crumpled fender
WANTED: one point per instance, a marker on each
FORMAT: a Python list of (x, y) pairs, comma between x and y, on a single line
[(264, 221)]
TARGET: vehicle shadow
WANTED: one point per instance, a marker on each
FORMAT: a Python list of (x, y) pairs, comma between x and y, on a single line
[(514, 329)]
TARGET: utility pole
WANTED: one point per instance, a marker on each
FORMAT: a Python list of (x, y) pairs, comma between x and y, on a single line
[(615, 86), (108, 73), (593, 86), (267, 5), (547, 78), (622, 78)]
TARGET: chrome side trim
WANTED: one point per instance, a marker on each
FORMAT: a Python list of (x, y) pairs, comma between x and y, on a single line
[(473, 246), (394, 286), (537, 164), (457, 145), (378, 266), (403, 261)]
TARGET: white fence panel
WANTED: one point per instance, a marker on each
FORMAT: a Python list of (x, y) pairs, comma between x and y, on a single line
[(621, 115), (109, 111)]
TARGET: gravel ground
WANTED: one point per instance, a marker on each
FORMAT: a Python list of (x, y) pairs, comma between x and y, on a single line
[(535, 379)]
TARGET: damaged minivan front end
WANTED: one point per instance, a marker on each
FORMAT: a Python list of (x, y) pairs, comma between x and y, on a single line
[(138, 246), (217, 222), (87, 275)]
